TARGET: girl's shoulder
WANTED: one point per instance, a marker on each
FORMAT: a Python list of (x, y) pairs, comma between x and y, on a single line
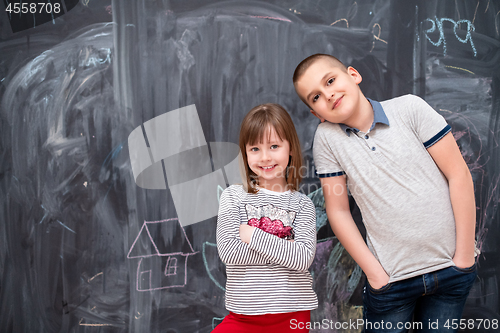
[(294, 198), (234, 191), (235, 188), (304, 199), (301, 200)]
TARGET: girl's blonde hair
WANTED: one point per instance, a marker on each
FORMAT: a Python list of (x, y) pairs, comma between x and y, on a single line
[(254, 126)]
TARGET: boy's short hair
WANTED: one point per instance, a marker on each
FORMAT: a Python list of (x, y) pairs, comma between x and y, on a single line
[(307, 62)]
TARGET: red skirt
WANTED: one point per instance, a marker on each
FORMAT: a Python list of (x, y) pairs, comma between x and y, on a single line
[(273, 323)]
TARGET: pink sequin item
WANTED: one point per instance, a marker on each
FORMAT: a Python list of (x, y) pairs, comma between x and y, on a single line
[(266, 224), (286, 232), (254, 222), (272, 220), (274, 227)]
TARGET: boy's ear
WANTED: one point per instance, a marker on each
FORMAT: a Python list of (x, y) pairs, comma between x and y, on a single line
[(354, 74), (317, 116)]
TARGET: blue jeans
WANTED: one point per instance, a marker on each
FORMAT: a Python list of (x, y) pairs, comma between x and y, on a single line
[(425, 303)]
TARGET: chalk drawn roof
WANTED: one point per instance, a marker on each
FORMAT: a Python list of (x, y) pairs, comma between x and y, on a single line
[(161, 238)]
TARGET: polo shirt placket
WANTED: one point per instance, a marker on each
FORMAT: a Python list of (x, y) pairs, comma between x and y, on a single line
[(378, 117)]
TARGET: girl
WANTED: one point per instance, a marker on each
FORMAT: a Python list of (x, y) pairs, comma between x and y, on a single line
[(266, 231)]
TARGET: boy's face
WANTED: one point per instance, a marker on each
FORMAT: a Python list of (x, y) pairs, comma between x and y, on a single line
[(331, 92)]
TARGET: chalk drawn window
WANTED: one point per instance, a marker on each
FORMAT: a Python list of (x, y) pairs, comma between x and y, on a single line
[(145, 280), (171, 267)]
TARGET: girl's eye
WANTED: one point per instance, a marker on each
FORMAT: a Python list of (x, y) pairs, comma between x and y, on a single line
[(315, 98), (254, 149), (330, 81), (274, 147)]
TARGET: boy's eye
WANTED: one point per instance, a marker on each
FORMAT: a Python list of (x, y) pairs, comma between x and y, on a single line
[(330, 81), (315, 98)]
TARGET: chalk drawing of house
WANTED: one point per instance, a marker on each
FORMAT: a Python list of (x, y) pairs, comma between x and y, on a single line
[(163, 249)]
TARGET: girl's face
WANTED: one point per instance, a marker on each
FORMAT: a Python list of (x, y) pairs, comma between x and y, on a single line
[(268, 160)]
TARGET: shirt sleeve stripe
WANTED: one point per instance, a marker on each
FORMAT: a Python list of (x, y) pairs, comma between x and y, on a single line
[(437, 137), (333, 174)]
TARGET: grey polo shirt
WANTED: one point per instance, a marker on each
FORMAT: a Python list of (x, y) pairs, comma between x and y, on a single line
[(403, 196)]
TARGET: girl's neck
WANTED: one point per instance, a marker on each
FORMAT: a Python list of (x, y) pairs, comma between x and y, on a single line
[(275, 187)]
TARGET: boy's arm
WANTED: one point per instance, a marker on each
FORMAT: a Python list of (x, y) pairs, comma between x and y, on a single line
[(344, 227), (448, 158)]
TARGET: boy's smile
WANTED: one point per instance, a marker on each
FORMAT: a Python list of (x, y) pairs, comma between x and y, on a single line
[(333, 93)]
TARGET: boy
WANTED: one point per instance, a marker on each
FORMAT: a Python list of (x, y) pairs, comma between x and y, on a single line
[(415, 192)]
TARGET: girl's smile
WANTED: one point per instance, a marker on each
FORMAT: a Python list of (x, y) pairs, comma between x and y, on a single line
[(268, 168)]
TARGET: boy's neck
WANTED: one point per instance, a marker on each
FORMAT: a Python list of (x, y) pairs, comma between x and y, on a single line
[(363, 117)]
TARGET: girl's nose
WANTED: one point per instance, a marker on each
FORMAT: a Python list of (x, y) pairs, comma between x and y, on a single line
[(265, 155)]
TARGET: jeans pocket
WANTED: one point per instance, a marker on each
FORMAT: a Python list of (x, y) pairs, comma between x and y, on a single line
[(379, 290), (465, 270)]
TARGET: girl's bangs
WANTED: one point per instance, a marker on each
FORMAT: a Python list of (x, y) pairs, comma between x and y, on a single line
[(256, 132)]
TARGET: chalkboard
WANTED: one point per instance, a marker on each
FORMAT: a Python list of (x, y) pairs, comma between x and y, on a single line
[(107, 218)]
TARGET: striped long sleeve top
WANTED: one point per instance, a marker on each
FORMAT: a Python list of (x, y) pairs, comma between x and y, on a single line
[(269, 275)]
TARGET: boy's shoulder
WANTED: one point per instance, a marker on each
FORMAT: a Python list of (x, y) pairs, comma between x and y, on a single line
[(401, 102), (389, 104), (404, 106), (402, 98), (329, 128)]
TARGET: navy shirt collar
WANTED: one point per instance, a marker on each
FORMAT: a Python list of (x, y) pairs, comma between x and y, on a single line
[(378, 117)]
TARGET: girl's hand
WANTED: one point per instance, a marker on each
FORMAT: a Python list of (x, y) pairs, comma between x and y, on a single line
[(246, 232)]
